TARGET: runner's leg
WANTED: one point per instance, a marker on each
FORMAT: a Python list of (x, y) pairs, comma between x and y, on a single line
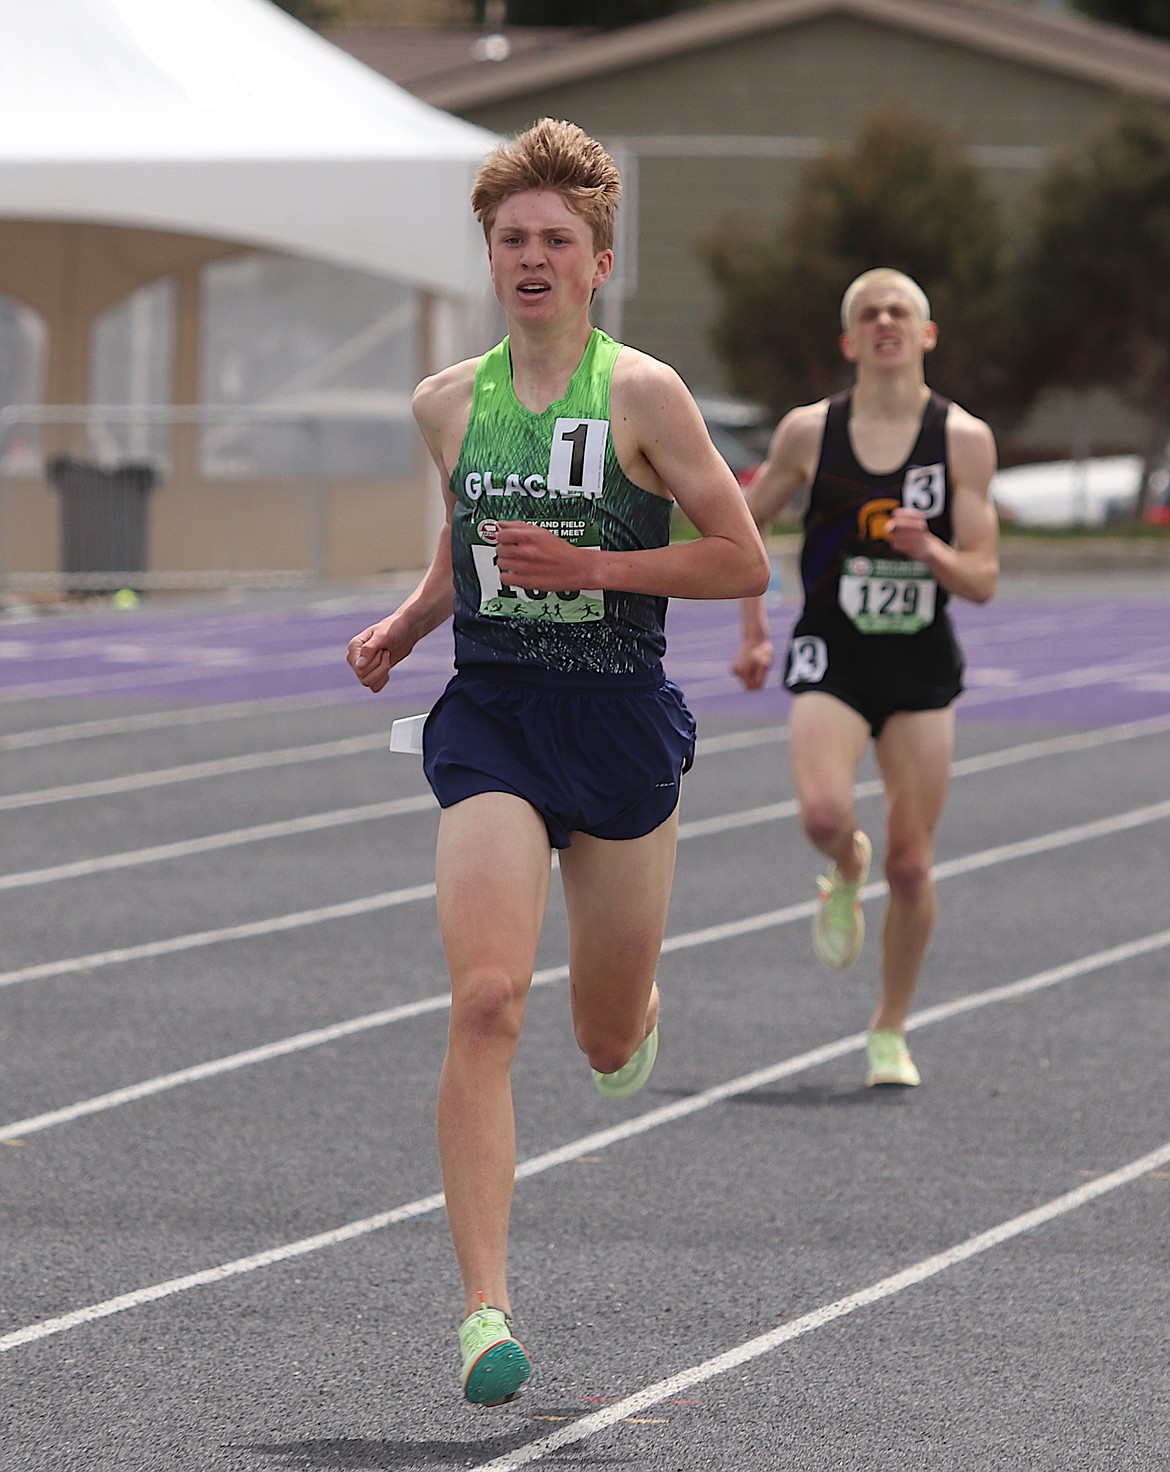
[(826, 741), (617, 893), (492, 869), (914, 752)]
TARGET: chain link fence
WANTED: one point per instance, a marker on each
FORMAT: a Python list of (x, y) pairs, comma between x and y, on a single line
[(99, 498)]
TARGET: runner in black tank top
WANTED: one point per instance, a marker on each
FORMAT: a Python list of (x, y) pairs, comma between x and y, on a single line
[(874, 630), (873, 656)]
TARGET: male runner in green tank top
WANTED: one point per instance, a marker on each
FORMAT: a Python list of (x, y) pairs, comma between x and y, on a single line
[(560, 454), (899, 517)]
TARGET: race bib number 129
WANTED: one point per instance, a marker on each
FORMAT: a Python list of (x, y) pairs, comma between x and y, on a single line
[(887, 595)]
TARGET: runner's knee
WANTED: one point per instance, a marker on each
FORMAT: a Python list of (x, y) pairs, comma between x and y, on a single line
[(908, 872), (826, 821), (607, 1055), (607, 1047), (487, 1005)]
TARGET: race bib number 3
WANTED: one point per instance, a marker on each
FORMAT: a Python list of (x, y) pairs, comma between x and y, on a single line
[(498, 599), (887, 595), (924, 489)]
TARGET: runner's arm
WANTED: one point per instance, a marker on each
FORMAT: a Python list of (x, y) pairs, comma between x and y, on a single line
[(788, 466), (970, 568), (374, 652), (663, 446)]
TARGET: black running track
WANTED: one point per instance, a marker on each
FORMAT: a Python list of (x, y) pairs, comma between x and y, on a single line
[(222, 1013)]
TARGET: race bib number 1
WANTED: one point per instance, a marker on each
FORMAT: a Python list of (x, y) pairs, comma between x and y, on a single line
[(576, 462), (887, 595), (567, 606), (576, 469)]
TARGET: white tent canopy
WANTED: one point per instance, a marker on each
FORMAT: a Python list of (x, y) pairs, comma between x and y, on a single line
[(228, 119)]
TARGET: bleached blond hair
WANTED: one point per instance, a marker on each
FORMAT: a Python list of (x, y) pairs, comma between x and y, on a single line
[(883, 276)]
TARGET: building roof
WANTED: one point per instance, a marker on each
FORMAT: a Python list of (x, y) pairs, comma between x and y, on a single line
[(420, 56), (440, 72)]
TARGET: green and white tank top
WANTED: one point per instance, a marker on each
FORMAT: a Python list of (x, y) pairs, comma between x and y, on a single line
[(558, 470)]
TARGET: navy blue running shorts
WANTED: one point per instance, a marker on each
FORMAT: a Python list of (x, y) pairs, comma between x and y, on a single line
[(596, 754)]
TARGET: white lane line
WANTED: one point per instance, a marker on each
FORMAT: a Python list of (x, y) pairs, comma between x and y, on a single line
[(370, 904), (193, 771), (991, 761), (118, 682), (212, 842), (769, 735), (1045, 842), (1105, 675), (588, 1145), (126, 667), (688, 940), (439, 662), (290, 827), (950, 869), (1062, 745), (199, 1072), (327, 750), (818, 1318), (261, 760), (695, 828), (250, 930), (421, 678), (157, 720)]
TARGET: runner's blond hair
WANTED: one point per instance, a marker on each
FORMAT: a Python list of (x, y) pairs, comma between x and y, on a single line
[(884, 276)]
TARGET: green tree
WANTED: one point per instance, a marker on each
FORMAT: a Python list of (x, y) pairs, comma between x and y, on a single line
[(905, 195), (1149, 16), (1094, 283)]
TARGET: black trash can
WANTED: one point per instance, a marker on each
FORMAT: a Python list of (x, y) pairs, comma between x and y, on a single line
[(103, 520)]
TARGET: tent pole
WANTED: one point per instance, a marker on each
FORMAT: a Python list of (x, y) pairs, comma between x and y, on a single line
[(186, 471)]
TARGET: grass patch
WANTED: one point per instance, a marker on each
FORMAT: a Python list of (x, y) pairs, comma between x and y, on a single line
[(682, 530), (1111, 531)]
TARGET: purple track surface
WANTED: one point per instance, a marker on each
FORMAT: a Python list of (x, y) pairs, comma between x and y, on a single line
[(1030, 659)]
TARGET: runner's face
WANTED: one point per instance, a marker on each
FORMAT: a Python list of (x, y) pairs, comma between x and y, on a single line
[(543, 261), (885, 330)]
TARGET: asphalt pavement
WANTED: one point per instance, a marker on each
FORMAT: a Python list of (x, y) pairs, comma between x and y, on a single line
[(223, 1008)]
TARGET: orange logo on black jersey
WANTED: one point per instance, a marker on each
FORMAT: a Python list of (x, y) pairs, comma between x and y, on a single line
[(873, 520)]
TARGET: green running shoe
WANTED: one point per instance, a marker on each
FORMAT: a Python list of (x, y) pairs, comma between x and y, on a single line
[(495, 1364), (838, 927), (889, 1060), (632, 1075)]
